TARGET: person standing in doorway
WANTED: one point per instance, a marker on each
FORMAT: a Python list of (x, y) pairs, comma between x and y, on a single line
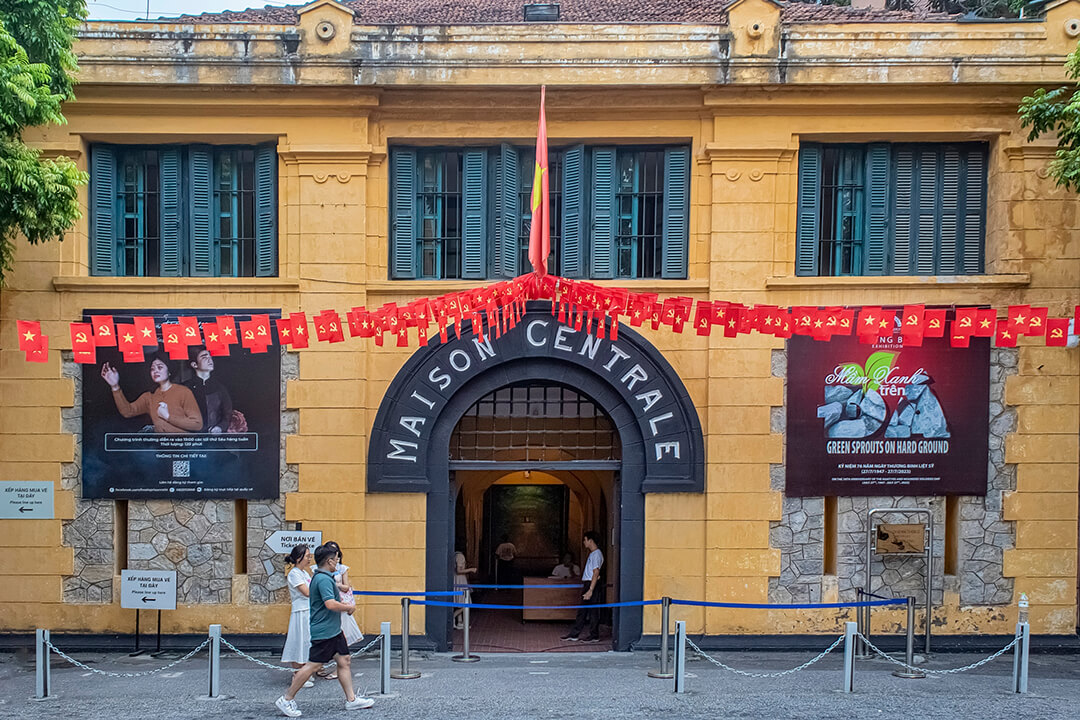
[(327, 640), (593, 590), (504, 560)]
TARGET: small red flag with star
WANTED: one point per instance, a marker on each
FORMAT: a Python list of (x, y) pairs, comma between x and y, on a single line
[(29, 334)]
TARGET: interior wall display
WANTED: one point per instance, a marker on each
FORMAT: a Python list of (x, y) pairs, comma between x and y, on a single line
[(533, 518), (179, 420), (882, 418)]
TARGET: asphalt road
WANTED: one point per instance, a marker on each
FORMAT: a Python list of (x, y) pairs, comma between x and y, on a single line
[(593, 686)]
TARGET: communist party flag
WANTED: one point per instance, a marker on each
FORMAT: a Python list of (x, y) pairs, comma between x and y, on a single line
[(540, 230)]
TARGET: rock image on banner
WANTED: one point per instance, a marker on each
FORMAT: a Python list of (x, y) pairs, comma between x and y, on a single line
[(884, 419), (197, 426)]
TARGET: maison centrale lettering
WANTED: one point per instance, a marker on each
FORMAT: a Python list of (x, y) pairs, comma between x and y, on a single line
[(605, 357), (640, 379)]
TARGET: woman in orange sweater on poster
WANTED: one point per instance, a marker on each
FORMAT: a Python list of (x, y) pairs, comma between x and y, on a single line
[(172, 408)]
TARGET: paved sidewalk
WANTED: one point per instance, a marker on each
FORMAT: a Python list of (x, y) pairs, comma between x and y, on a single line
[(592, 686)]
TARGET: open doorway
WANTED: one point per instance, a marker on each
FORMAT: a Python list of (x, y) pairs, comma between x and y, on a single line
[(518, 519)]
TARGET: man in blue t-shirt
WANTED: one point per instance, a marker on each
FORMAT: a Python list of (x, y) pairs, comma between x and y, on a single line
[(327, 640)]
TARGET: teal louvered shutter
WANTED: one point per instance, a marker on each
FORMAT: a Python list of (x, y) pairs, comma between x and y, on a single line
[(172, 249), (507, 213), (974, 211), (903, 212), (266, 240), (201, 194), (951, 202), (676, 212), (103, 241), (571, 251), (474, 222), (926, 205), (403, 214), (604, 182), (808, 221), (878, 157)]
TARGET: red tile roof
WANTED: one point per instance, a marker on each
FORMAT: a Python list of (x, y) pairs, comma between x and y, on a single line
[(481, 12)]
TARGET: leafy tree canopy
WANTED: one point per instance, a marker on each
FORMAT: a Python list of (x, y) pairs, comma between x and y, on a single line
[(38, 198), (1058, 111)]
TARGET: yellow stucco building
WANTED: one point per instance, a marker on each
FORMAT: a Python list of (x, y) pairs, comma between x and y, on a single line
[(346, 155)]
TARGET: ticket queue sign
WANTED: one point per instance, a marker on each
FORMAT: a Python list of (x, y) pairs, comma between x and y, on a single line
[(26, 501), (148, 589)]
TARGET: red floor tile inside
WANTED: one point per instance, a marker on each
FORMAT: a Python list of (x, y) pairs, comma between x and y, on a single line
[(503, 631)]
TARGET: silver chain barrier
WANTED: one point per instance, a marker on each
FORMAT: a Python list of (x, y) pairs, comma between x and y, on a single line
[(928, 671), (84, 666), (805, 665), (257, 661)]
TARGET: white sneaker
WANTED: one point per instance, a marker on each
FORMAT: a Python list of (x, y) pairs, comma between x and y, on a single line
[(359, 703), (287, 707)]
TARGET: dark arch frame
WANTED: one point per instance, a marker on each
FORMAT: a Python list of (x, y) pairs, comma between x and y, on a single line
[(518, 362)]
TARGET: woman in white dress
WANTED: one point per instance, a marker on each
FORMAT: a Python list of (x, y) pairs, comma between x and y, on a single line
[(298, 641)]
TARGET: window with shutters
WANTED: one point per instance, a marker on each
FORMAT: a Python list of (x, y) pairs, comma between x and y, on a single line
[(467, 212), (183, 210), (891, 209)]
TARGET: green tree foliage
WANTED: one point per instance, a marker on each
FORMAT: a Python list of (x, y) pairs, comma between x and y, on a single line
[(38, 198), (1058, 111)]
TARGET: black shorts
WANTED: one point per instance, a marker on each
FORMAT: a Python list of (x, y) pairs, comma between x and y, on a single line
[(323, 651)]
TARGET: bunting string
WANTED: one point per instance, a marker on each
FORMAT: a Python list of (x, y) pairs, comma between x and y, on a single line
[(493, 310)]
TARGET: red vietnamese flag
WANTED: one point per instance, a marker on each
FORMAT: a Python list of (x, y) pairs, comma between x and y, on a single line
[(732, 319), (29, 334), (1037, 321), (1057, 332), (227, 325), (298, 321), (1018, 318), (145, 331), (215, 339), (354, 316), (819, 329), (82, 343), (1004, 335), (540, 227), (869, 324), (284, 331), (127, 339), (913, 324), (104, 336), (985, 322), (40, 353), (191, 334), (1076, 320), (934, 321)]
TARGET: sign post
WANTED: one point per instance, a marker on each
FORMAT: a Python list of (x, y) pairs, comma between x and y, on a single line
[(26, 501), (148, 589), (283, 541)]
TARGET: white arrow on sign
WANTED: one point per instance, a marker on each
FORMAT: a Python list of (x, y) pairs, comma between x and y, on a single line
[(148, 589), (26, 501), (283, 541)]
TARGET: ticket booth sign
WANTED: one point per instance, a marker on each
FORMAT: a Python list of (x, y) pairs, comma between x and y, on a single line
[(901, 539)]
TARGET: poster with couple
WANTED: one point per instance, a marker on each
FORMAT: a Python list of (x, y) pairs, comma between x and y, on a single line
[(200, 426)]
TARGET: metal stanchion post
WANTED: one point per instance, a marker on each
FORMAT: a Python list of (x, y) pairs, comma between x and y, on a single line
[(465, 656), (215, 661), (909, 655), (850, 630), (680, 656), (42, 685), (860, 624), (405, 674), (1020, 657), (384, 659), (665, 630)]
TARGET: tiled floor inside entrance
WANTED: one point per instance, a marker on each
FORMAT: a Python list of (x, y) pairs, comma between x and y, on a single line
[(503, 631)]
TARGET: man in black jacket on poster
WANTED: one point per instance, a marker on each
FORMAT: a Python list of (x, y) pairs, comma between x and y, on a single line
[(213, 399)]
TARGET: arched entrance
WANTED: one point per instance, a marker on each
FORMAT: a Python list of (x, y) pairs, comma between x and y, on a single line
[(571, 454), (660, 444)]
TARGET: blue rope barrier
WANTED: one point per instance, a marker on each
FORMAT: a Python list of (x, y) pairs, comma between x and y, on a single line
[(516, 587), (789, 606), (489, 606), (395, 593)]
